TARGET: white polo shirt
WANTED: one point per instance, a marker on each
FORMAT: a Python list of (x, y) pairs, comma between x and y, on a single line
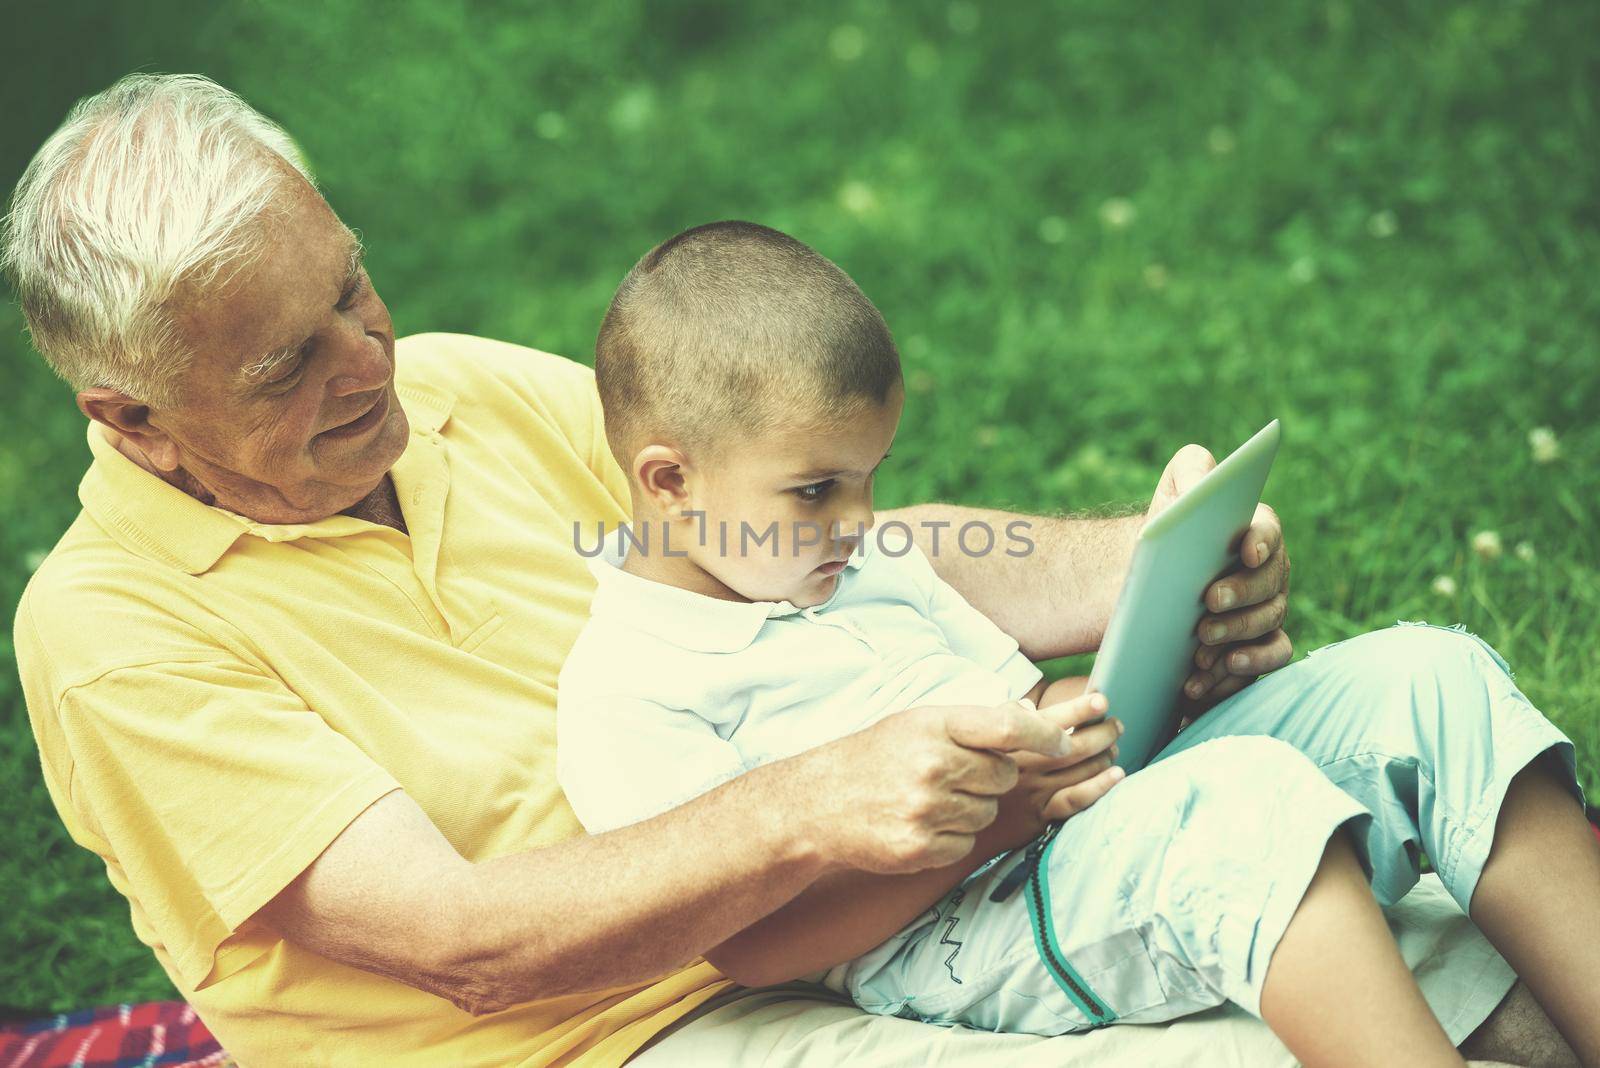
[(668, 693)]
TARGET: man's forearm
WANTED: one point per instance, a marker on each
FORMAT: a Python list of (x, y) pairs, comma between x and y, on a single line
[(845, 913), (842, 915), (1056, 598), (634, 903)]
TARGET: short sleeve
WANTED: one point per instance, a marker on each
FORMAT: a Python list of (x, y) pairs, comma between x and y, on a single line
[(213, 787), (973, 635), (624, 759)]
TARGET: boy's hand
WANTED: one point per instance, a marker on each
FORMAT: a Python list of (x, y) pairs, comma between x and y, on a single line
[(1248, 604), (1057, 788)]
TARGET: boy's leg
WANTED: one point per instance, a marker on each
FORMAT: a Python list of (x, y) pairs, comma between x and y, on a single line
[(1163, 899), (1337, 990), (1426, 727), (1543, 847)]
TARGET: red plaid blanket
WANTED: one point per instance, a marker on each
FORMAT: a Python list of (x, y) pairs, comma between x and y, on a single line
[(160, 1034)]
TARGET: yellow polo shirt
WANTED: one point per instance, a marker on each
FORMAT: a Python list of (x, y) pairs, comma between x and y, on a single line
[(216, 699)]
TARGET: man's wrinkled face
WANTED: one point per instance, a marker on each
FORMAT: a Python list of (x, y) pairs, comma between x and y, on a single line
[(289, 412)]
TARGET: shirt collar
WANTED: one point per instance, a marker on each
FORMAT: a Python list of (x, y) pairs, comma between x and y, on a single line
[(156, 520), (682, 617)]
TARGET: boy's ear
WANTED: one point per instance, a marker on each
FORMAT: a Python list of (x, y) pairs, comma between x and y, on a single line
[(131, 419), (659, 472)]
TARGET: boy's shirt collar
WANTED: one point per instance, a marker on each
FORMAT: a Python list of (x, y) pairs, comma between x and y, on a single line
[(682, 617)]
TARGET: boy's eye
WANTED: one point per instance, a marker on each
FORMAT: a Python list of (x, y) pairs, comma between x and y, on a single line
[(814, 492)]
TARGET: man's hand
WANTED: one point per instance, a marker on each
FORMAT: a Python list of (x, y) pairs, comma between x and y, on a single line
[(849, 910), (392, 895), (1247, 606), (913, 790)]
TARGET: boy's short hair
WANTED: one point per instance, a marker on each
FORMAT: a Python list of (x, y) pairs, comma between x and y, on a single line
[(730, 330)]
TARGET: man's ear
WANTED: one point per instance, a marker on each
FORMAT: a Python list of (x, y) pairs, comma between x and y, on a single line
[(131, 419)]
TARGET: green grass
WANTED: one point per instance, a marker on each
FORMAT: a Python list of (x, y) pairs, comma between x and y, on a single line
[(1099, 231)]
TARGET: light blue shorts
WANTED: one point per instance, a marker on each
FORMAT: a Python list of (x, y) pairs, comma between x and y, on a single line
[(1168, 895)]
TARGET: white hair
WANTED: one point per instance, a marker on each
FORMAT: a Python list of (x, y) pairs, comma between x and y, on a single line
[(151, 183)]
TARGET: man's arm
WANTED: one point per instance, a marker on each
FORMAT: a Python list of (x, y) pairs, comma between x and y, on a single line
[(843, 914), (391, 895), (847, 912), (1056, 598)]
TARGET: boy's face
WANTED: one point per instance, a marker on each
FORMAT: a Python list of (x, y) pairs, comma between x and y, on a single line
[(799, 501)]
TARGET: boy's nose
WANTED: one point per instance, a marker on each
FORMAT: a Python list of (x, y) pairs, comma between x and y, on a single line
[(853, 525)]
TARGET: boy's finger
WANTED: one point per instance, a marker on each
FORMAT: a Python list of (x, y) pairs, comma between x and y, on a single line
[(1074, 799), (1087, 741), (1081, 710), (1084, 770)]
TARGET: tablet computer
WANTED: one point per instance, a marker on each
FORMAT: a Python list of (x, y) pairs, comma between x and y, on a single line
[(1150, 642)]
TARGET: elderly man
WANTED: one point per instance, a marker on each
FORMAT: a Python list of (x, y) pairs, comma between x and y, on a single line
[(292, 669)]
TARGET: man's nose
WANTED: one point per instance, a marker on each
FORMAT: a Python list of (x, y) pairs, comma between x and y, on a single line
[(364, 367)]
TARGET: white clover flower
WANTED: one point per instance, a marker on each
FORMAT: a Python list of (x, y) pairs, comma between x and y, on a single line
[(1486, 543), (857, 198), (1444, 586), (1221, 141), (634, 109), (550, 125), (1383, 224), (1052, 229), (1155, 276), (1118, 213), (1542, 440), (1091, 457), (847, 42), (1525, 552), (1303, 271)]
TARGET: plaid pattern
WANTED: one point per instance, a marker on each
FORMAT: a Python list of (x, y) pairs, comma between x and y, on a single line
[(159, 1034)]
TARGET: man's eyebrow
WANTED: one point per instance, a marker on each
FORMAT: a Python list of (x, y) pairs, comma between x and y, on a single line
[(280, 356), (271, 362), (358, 253)]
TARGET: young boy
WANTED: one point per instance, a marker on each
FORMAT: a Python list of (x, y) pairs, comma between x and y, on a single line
[(751, 611)]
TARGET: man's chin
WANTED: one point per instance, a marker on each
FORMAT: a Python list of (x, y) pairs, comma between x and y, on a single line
[(385, 450)]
